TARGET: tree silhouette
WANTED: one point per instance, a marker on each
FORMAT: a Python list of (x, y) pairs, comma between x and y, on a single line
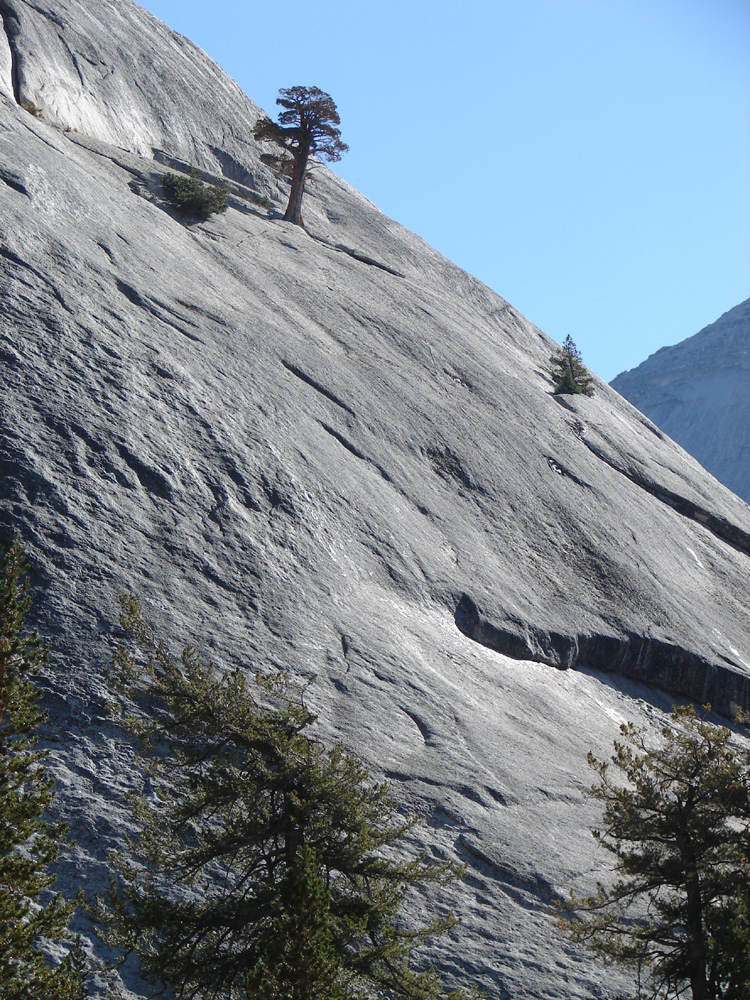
[(307, 126)]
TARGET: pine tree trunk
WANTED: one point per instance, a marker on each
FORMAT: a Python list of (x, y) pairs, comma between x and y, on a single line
[(695, 936), (294, 208)]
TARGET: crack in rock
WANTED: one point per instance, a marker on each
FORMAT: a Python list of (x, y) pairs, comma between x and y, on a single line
[(46, 14), (12, 28), (73, 59), (134, 296), (308, 380), (19, 262), (533, 892), (448, 466), (13, 181), (356, 255), (561, 470), (352, 449), (717, 525), (152, 480), (425, 730), (344, 442)]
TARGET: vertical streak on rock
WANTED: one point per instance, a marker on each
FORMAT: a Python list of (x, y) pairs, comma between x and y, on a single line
[(11, 27)]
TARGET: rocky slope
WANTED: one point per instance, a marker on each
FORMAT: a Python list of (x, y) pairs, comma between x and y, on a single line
[(698, 392), (335, 451)]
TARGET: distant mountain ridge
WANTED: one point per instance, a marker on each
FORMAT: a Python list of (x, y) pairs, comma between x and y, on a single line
[(698, 392)]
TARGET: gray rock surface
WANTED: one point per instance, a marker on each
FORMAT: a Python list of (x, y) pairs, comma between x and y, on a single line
[(698, 392), (335, 451)]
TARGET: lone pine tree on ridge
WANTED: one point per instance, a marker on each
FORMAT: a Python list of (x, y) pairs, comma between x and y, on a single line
[(307, 126)]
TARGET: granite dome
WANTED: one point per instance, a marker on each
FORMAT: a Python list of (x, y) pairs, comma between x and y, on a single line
[(331, 450)]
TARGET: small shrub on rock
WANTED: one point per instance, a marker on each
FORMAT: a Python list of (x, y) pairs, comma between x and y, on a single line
[(192, 197), (32, 108)]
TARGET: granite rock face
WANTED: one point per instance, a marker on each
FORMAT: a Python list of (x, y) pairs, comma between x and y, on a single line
[(335, 451), (698, 392)]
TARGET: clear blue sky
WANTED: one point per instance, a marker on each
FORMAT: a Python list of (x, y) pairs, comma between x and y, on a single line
[(587, 159)]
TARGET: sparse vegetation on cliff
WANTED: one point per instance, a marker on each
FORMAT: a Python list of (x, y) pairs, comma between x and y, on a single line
[(32, 109), (569, 372), (308, 126), (192, 196)]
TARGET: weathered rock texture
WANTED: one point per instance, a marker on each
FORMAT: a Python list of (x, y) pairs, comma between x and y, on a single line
[(698, 392), (335, 451)]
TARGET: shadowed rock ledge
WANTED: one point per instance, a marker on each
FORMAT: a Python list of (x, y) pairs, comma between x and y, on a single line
[(644, 658)]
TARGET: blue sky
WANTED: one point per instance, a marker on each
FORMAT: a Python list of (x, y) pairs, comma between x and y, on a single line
[(587, 159)]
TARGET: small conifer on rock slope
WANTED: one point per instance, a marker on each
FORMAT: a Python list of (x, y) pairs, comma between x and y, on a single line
[(677, 821), (569, 372)]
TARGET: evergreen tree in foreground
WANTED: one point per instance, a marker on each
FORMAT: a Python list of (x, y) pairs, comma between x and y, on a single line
[(677, 820), (297, 957), (569, 372), (28, 844), (307, 126), (262, 869)]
